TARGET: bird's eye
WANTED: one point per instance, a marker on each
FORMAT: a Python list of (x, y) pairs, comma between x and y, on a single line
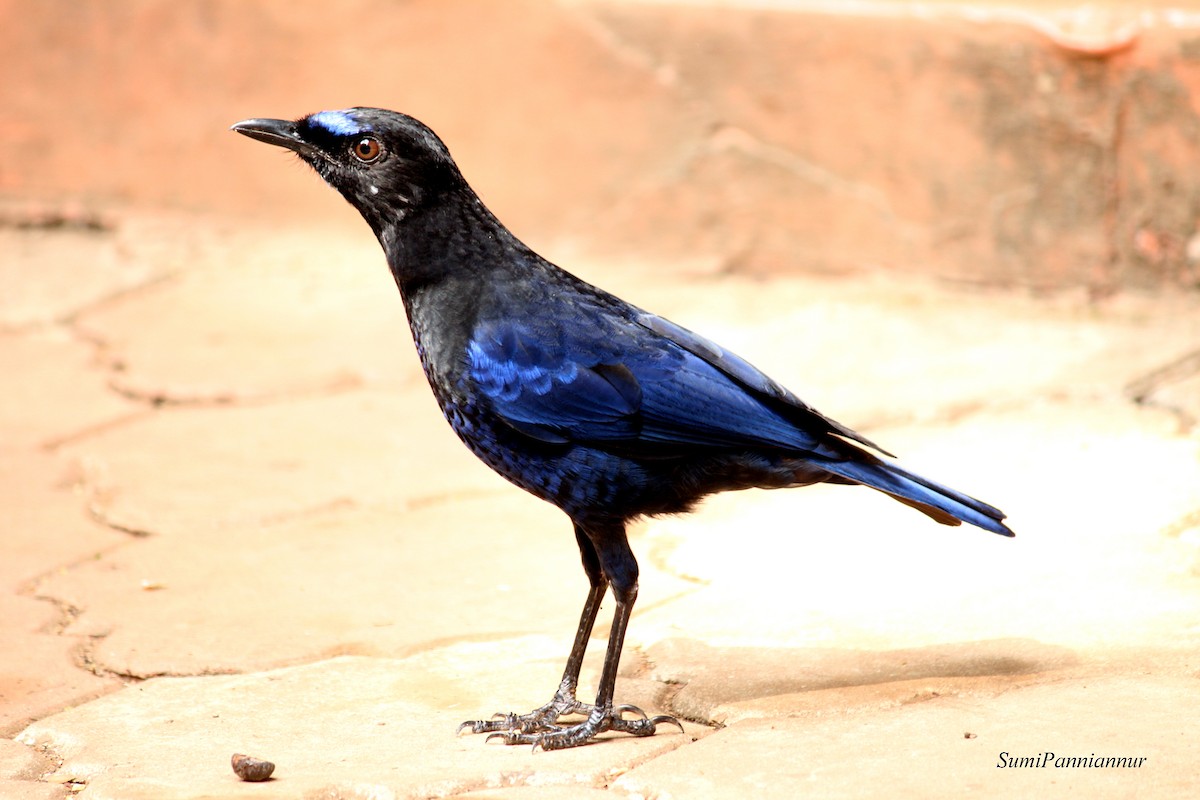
[(367, 149)]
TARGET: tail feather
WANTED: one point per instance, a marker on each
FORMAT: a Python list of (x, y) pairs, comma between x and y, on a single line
[(942, 503)]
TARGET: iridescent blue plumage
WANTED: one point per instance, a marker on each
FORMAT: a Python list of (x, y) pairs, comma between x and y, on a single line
[(339, 123)]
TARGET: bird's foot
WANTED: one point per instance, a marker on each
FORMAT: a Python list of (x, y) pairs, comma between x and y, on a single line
[(539, 720), (599, 720)]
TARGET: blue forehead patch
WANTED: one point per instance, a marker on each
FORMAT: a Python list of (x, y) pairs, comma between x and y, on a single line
[(339, 123)]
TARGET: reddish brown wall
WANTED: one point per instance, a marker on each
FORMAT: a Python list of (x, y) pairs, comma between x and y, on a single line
[(774, 139)]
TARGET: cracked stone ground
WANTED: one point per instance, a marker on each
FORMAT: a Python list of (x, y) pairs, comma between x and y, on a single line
[(234, 522)]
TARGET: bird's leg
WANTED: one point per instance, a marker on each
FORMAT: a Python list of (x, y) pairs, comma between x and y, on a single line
[(564, 702), (620, 569)]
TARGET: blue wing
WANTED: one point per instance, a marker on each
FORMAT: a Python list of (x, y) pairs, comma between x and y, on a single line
[(641, 384), (750, 377)]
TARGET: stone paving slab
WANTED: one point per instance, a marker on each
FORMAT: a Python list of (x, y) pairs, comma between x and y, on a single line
[(252, 323), (56, 391), (41, 671), (344, 581), (44, 529), (24, 790), (42, 280), (349, 727), (951, 746), (62, 259), (18, 761), (202, 467), (21, 767), (46, 525)]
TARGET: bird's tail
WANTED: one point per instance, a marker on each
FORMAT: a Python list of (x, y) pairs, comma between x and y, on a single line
[(942, 503)]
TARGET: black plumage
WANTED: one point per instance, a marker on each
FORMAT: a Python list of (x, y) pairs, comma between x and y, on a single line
[(603, 409)]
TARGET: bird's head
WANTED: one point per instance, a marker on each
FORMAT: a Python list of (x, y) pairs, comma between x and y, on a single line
[(386, 164)]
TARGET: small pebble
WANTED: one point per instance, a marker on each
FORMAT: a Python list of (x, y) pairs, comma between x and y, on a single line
[(249, 768)]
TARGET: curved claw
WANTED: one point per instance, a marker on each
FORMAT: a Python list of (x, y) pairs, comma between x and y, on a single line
[(620, 711), (664, 719), (498, 735), (487, 725)]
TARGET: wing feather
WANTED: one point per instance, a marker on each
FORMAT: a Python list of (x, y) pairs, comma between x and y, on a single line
[(628, 388)]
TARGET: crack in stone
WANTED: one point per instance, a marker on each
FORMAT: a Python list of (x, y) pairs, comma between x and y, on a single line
[(87, 660), (1141, 390), (97, 513), (103, 353), (1178, 369), (72, 218), (57, 443), (67, 612), (71, 318), (56, 222), (157, 398), (670, 687)]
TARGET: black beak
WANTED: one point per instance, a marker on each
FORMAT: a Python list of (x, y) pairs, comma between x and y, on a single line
[(279, 132)]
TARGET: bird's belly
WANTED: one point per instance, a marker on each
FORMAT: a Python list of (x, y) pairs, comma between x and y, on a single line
[(579, 480)]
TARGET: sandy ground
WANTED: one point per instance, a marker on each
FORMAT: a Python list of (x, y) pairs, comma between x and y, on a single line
[(234, 522)]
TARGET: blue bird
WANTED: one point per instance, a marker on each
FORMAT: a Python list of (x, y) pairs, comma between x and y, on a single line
[(605, 410)]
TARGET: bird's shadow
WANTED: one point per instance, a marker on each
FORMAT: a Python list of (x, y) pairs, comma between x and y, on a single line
[(702, 681)]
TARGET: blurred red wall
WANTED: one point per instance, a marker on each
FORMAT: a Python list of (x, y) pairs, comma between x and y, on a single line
[(1001, 147)]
